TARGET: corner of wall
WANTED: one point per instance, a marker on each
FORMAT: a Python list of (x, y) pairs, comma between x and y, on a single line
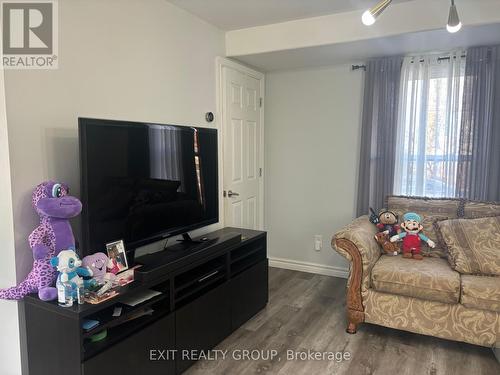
[(10, 347)]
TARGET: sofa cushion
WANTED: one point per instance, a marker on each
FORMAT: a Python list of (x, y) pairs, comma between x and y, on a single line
[(429, 279), (445, 320), (475, 209), (473, 245), (481, 292), (430, 209)]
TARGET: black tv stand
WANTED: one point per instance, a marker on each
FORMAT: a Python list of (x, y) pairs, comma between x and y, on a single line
[(206, 294), (186, 238)]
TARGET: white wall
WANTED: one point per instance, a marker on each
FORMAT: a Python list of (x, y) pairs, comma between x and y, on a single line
[(10, 354), (120, 59), (312, 131)]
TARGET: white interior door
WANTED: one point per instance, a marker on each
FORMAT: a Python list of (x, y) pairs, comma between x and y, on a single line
[(243, 147)]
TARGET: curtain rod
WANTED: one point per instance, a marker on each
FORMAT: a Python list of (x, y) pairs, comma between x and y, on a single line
[(357, 67)]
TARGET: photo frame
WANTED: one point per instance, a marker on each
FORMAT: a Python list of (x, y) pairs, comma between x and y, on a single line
[(117, 256)]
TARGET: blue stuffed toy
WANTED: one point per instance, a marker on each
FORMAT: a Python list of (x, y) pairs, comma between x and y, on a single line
[(69, 266)]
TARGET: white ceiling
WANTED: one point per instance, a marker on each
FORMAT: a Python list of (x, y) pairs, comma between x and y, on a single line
[(427, 41), (239, 14)]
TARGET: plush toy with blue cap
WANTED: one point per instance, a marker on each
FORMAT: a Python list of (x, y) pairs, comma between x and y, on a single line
[(412, 236), (69, 266)]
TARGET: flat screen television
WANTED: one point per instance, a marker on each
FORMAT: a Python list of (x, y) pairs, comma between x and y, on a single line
[(142, 182)]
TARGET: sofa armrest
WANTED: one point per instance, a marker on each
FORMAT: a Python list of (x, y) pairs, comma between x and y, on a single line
[(356, 243), (358, 237)]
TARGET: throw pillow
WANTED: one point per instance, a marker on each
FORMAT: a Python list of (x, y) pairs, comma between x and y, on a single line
[(473, 245)]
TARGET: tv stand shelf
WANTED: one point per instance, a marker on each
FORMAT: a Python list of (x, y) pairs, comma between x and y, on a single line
[(107, 321), (208, 289)]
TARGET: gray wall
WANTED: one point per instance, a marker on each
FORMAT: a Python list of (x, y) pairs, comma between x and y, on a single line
[(120, 59), (312, 133)]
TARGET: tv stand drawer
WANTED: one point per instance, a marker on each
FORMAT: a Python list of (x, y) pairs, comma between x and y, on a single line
[(203, 323), (132, 355), (249, 293)]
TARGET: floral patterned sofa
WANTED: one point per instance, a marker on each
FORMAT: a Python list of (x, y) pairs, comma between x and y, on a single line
[(427, 297)]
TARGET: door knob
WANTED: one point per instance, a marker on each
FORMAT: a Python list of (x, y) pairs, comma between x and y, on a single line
[(232, 193)]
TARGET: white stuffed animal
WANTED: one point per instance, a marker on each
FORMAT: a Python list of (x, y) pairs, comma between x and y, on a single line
[(69, 266)]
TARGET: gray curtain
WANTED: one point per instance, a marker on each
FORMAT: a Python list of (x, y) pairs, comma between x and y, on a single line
[(479, 157), (378, 132), (165, 154)]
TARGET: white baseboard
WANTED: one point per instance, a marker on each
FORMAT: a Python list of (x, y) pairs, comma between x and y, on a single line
[(319, 269)]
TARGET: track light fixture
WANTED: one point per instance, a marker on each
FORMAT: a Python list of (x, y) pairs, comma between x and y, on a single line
[(370, 16), (454, 23)]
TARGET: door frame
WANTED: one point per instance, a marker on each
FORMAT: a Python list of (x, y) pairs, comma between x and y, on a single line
[(220, 63)]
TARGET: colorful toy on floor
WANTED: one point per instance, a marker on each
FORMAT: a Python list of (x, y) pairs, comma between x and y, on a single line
[(54, 206), (412, 236)]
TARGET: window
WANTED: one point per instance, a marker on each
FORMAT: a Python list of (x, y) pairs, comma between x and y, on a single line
[(429, 120)]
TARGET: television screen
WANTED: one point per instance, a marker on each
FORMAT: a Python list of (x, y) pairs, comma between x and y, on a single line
[(142, 182)]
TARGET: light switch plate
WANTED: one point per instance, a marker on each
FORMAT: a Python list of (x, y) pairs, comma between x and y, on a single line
[(318, 242)]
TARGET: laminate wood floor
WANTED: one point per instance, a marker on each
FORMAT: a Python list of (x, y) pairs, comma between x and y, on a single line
[(307, 312)]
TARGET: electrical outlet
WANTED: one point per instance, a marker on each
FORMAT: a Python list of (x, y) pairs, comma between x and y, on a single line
[(318, 242)]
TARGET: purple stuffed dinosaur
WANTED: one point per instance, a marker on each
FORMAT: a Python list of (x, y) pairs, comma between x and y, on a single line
[(54, 206)]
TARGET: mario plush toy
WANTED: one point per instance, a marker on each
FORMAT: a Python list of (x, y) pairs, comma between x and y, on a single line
[(412, 236)]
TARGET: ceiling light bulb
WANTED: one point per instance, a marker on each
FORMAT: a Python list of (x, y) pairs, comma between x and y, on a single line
[(454, 23), (370, 16), (367, 18), (454, 29)]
